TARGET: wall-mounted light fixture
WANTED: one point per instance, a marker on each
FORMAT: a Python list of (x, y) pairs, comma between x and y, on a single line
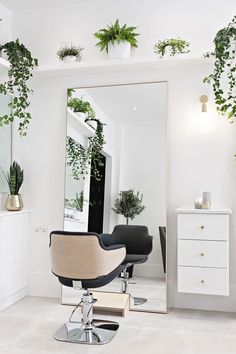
[(204, 100)]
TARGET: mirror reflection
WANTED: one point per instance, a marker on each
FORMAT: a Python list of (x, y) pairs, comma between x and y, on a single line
[(115, 183), (5, 142)]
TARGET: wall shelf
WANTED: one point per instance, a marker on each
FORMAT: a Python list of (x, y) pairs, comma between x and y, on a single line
[(4, 66), (107, 65), (82, 127)]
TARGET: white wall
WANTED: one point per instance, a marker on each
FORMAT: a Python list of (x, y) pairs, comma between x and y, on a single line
[(5, 24), (197, 21), (199, 158), (143, 167)]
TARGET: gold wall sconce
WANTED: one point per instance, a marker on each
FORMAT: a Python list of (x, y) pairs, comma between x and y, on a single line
[(204, 100)]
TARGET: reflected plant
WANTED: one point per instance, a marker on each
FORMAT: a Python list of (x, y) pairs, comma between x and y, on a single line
[(76, 203), (129, 204), (85, 159)]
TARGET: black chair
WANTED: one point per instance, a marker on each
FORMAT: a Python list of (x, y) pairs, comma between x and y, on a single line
[(138, 244), (82, 261), (162, 233)]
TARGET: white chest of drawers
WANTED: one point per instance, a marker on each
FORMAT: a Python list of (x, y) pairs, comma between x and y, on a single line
[(203, 251)]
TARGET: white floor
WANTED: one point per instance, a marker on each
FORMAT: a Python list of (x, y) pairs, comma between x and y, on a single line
[(28, 326)]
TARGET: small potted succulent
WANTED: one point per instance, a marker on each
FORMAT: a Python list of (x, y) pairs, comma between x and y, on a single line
[(117, 40), (171, 47), (70, 54), (14, 179)]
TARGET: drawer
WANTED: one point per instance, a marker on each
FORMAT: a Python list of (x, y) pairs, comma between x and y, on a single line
[(203, 226), (203, 253), (209, 281)]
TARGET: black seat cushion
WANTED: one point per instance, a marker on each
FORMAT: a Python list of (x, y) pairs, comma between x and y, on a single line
[(135, 258)]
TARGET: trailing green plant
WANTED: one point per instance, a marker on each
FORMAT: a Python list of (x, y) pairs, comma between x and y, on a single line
[(76, 203), (14, 178), (115, 33), (72, 50), (83, 159), (129, 204), (21, 67), (176, 46), (223, 77), (79, 105)]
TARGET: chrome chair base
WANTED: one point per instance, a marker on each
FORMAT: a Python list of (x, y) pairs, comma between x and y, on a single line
[(101, 332), (139, 301)]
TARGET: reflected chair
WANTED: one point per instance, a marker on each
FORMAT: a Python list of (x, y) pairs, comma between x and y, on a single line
[(162, 233), (138, 244), (82, 261)]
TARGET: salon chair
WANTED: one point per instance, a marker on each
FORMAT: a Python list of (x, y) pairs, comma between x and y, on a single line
[(82, 261), (138, 244)]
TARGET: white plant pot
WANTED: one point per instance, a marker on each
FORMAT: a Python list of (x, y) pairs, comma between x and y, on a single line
[(69, 59), (120, 50)]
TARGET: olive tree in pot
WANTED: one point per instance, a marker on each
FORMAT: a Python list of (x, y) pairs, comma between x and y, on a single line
[(129, 204), (117, 40), (14, 178)]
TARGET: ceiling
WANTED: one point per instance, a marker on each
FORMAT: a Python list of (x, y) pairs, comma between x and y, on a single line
[(16, 5), (140, 104)]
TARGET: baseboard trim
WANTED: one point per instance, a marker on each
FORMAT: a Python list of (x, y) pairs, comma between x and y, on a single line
[(13, 298), (149, 270), (44, 285)]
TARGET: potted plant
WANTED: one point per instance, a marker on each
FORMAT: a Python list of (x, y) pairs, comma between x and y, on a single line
[(70, 54), (171, 47), (129, 204), (223, 76), (117, 40), (21, 68), (14, 178), (82, 107)]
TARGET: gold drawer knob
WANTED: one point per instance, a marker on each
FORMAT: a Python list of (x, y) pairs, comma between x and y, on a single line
[(202, 254), (202, 227), (202, 281)]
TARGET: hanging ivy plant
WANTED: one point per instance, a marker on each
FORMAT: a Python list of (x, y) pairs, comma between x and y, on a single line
[(84, 159), (21, 66), (224, 68), (81, 159)]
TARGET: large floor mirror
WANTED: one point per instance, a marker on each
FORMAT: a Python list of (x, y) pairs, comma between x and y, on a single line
[(130, 169), (5, 148)]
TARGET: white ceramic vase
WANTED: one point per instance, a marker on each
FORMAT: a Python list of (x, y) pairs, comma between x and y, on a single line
[(120, 50), (69, 59)]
